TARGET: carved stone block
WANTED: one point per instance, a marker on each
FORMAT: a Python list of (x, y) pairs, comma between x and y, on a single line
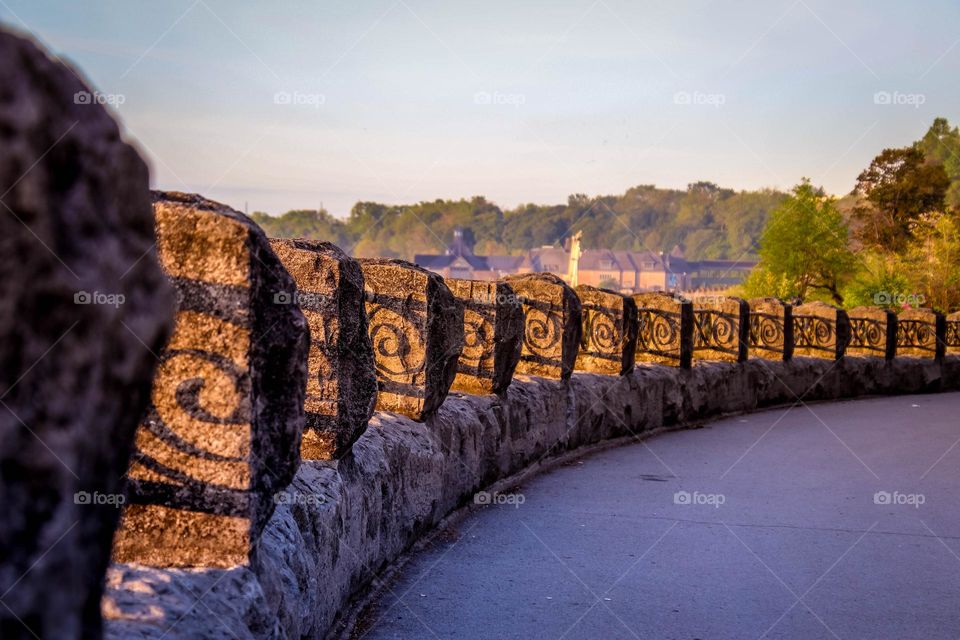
[(721, 329), (953, 333), (820, 330), (552, 328), (665, 329), (493, 335), (873, 332), (609, 341), (921, 333), (771, 329), (416, 326), (222, 434), (341, 383)]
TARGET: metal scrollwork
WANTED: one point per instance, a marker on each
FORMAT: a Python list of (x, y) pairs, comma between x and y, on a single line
[(602, 336), (812, 332), (916, 334), (659, 332), (867, 333), (953, 334), (714, 330), (767, 332)]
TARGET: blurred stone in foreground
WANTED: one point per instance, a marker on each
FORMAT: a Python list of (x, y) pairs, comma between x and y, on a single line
[(552, 325), (222, 434), (416, 326), (341, 383), (493, 335), (83, 303), (609, 340)]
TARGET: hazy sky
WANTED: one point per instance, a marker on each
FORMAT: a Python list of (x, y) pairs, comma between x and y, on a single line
[(289, 104)]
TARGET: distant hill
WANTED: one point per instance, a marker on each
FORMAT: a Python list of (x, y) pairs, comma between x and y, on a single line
[(710, 222)]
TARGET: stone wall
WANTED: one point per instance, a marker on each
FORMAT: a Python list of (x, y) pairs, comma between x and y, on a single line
[(341, 524)]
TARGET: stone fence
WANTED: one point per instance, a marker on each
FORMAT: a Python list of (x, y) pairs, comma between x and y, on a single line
[(252, 429)]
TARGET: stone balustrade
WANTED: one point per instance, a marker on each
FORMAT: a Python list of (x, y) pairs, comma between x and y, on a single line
[(552, 325), (952, 333), (873, 332)]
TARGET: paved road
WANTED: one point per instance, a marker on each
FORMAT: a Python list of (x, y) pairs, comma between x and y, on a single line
[(775, 532)]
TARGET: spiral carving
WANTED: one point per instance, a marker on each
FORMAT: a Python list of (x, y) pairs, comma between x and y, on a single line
[(953, 333), (715, 330), (543, 331), (811, 332), (478, 336), (916, 334), (866, 333), (659, 332), (766, 332), (602, 334), (398, 344)]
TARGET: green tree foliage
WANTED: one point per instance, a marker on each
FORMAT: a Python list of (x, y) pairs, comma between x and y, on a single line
[(941, 145), (804, 249), (898, 187)]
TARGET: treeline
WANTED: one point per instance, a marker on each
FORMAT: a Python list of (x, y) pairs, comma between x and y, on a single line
[(707, 220), (894, 242)]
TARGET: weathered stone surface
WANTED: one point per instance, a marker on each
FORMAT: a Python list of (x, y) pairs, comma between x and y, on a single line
[(771, 329), (921, 333), (873, 332), (953, 332), (341, 383), (416, 326), (665, 329), (83, 303), (820, 330), (340, 526), (493, 335), (721, 328), (610, 326), (222, 434), (552, 325)]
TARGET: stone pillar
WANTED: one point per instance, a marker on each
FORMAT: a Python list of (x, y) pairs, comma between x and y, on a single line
[(820, 330), (666, 329), (416, 326), (771, 329), (222, 434), (721, 328), (552, 329), (341, 383), (921, 333), (873, 332), (83, 304), (953, 333), (609, 341), (493, 335)]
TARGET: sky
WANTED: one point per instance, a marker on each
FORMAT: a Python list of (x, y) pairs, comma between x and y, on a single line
[(270, 106)]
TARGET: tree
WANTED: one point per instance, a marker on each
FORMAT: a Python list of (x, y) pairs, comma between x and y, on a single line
[(803, 249), (941, 145), (898, 187)]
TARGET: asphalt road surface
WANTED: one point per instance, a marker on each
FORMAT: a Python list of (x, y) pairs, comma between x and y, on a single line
[(837, 520)]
